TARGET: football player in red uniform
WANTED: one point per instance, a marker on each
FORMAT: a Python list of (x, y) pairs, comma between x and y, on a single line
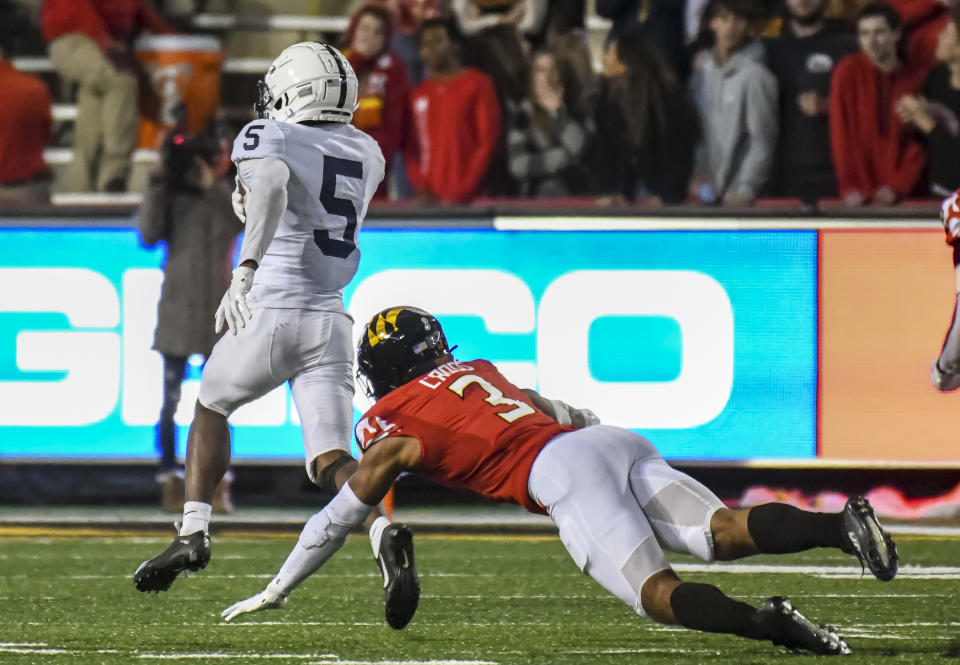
[(945, 371), (616, 502)]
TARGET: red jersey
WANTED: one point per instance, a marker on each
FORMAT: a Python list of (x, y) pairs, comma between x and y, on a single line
[(871, 147), (455, 132), (25, 125), (103, 21), (383, 103), (477, 431)]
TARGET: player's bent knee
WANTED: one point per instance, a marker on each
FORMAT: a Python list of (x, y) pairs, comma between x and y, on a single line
[(731, 537), (327, 466), (722, 528), (655, 596), (201, 410)]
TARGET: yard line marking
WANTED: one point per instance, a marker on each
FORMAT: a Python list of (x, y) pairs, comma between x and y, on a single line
[(899, 624), (325, 659), (666, 651), (410, 662), (211, 576), (875, 636), (153, 535), (223, 656), (300, 623), (834, 572), (536, 596), (828, 572), (265, 576), (45, 531), (474, 624), (871, 596), (488, 537), (42, 650), (23, 644), (920, 530), (911, 576)]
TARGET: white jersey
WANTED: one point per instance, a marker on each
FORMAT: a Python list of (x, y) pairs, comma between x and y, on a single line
[(334, 171)]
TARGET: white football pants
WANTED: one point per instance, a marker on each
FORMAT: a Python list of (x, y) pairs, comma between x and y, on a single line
[(618, 505), (313, 350)]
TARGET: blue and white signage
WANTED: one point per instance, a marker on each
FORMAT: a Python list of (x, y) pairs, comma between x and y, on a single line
[(705, 341)]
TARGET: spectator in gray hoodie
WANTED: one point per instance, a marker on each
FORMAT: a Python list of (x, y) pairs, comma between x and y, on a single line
[(737, 98)]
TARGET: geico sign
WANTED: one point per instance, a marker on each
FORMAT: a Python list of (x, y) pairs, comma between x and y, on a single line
[(91, 360), (562, 322), (101, 365)]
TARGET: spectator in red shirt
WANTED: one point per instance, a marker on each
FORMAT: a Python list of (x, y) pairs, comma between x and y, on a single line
[(456, 122), (384, 90), (90, 44), (875, 157), (25, 125)]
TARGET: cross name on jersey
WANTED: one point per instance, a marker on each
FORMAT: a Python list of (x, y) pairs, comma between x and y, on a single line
[(435, 378)]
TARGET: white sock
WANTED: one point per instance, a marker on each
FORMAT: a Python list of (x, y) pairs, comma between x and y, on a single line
[(196, 517), (376, 531), (302, 562)]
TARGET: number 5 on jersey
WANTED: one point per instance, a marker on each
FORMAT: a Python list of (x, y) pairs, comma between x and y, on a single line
[(334, 205), (495, 397)]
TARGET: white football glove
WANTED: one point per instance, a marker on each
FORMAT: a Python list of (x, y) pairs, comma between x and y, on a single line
[(239, 201), (233, 308), (584, 418), (265, 600), (567, 415)]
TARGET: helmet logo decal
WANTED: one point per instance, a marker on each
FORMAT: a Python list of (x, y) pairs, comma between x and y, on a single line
[(374, 334)]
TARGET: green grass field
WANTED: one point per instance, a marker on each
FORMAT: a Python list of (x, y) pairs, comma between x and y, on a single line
[(485, 600)]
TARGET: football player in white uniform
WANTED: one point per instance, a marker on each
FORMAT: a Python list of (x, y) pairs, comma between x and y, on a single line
[(305, 180)]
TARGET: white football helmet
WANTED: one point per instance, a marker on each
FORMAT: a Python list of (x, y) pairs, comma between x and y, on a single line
[(308, 81)]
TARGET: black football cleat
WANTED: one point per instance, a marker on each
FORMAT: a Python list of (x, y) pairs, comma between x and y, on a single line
[(401, 587), (185, 553), (867, 540), (778, 621)]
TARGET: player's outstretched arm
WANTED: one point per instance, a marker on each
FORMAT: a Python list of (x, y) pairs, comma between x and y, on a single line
[(562, 412), (325, 532)]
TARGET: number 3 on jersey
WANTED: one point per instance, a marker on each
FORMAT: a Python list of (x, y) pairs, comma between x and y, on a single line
[(333, 167), (495, 397)]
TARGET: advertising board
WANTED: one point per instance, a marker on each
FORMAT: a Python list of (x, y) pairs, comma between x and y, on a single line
[(705, 341), (886, 301)]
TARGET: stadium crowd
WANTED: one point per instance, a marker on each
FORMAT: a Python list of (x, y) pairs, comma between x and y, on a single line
[(694, 101)]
